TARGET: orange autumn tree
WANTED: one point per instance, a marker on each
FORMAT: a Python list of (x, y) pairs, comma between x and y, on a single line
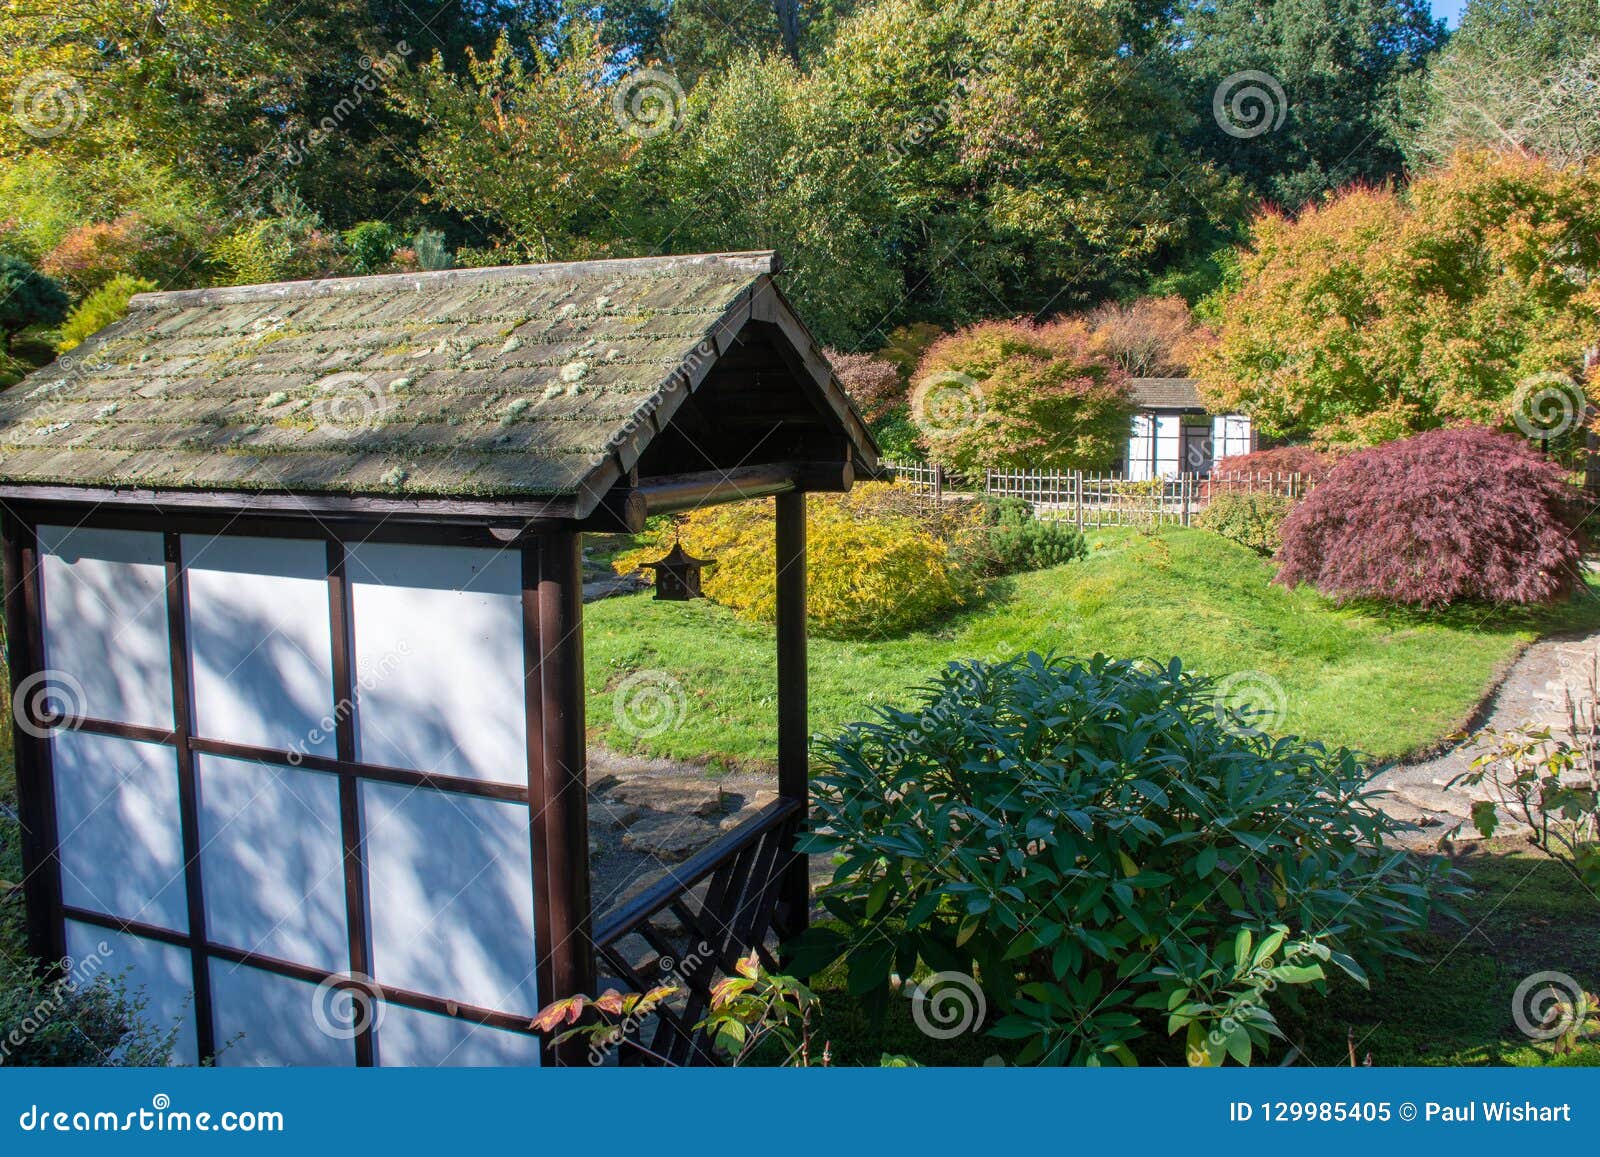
[(1469, 296), (1150, 337), (1011, 393)]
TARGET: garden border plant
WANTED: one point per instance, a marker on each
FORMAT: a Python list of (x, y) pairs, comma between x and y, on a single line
[(1113, 852)]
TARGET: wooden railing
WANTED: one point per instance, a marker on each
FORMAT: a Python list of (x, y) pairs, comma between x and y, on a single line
[(1103, 499), (690, 927), (1091, 499), (921, 477)]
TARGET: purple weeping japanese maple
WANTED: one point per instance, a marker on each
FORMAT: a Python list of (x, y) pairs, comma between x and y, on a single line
[(1446, 516)]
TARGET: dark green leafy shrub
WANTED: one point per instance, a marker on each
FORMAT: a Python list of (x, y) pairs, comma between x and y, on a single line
[(1112, 852), (1252, 520), (27, 298), (1017, 541), (897, 436), (371, 245), (96, 1022)]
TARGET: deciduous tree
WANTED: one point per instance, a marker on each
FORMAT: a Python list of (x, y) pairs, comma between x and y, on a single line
[(1469, 296), (1519, 74), (1010, 393), (1299, 97)]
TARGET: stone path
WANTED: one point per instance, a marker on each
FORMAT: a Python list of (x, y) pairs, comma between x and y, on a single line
[(1534, 691), (646, 815)]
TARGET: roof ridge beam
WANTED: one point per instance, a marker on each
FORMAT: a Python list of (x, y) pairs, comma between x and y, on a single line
[(754, 262)]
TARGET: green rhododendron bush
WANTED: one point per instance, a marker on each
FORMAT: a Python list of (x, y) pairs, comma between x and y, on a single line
[(1124, 864)]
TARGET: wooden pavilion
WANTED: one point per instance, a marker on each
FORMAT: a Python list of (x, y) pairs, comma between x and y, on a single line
[(294, 625)]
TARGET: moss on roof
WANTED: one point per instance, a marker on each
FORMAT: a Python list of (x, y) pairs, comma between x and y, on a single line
[(499, 382), (1167, 393)]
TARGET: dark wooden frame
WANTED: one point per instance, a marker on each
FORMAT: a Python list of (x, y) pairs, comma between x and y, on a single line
[(753, 412), (560, 897), (760, 875), (725, 899)]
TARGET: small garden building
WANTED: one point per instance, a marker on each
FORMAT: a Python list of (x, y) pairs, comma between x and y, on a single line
[(1173, 432), (294, 621)]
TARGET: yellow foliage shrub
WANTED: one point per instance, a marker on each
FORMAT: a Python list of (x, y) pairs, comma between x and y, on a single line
[(876, 563)]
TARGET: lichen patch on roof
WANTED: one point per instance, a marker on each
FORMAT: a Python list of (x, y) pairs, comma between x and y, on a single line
[(499, 382), (1167, 394)]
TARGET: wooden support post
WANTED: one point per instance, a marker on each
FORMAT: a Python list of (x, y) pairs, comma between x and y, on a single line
[(188, 792), (565, 767), (794, 757), (41, 868), (357, 938)]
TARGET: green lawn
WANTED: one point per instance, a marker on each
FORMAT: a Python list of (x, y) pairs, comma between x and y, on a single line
[(1454, 1006), (1386, 682), (1451, 1007)]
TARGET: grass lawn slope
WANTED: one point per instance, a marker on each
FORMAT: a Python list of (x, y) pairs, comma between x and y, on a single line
[(1387, 682)]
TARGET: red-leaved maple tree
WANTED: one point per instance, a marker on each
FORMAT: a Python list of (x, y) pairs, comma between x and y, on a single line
[(1446, 516)]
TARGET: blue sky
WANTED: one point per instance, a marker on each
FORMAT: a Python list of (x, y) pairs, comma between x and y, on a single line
[(1449, 9)]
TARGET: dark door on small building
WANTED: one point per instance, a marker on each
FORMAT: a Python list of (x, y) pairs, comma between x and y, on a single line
[(1198, 447)]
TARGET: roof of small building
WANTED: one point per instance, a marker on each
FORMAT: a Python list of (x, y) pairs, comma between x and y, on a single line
[(537, 380), (1167, 394)]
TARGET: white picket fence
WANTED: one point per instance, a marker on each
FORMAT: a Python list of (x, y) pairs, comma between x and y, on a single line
[(1103, 499)]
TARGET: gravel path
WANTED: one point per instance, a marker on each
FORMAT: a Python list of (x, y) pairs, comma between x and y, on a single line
[(1533, 692)]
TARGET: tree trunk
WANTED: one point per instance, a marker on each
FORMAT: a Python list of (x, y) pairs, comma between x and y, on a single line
[(788, 12)]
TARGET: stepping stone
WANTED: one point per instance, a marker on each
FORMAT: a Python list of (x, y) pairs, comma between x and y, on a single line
[(671, 797), (670, 838), (754, 803)]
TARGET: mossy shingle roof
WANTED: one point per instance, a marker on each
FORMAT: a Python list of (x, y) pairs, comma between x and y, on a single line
[(500, 382), (1167, 393)]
